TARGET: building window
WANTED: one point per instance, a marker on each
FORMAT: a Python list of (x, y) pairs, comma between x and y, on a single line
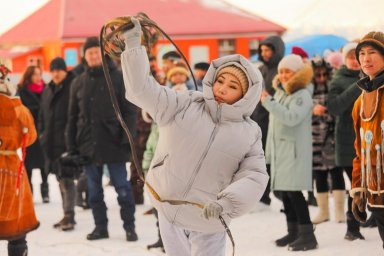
[(253, 47), (71, 57), (35, 60), (227, 47)]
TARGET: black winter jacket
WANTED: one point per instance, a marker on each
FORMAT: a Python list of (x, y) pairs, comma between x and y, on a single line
[(343, 92), (93, 129), (269, 71), (53, 119), (34, 154)]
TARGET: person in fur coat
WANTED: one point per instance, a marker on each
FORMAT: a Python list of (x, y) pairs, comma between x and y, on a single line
[(289, 147), (17, 130)]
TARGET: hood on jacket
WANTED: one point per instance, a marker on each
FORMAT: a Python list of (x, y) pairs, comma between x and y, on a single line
[(278, 46), (301, 79), (243, 107)]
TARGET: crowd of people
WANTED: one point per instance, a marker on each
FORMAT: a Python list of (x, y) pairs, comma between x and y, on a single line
[(289, 125)]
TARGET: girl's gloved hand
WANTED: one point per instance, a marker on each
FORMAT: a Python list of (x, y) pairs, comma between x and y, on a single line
[(212, 210), (132, 37)]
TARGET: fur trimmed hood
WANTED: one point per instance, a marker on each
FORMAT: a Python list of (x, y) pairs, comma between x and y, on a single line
[(300, 80)]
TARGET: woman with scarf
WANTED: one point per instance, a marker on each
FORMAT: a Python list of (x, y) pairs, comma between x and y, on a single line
[(30, 88)]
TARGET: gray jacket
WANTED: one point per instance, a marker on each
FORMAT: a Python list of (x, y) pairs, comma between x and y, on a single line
[(289, 141), (206, 151)]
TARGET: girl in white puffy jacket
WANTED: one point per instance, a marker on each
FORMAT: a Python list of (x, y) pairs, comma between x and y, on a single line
[(209, 151)]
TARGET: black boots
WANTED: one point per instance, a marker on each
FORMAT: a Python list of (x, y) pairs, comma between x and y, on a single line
[(306, 239), (293, 230), (131, 235), (98, 233), (44, 189), (157, 244), (18, 248), (67, 223), (353, 228), (370, 223)]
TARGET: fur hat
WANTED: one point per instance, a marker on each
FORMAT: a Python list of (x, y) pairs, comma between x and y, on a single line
[(292, 62), (238, 73), (5, 83), (299, 51), (90, 42), (347, 49), (374, 39), (175, 70), (58, 64)]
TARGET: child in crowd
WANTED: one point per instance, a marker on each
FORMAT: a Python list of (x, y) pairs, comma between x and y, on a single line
[(178, 76), (289, 147), (209, 151)]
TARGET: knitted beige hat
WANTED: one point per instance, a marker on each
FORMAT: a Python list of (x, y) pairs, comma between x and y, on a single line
[(176, 70), (238, 73)]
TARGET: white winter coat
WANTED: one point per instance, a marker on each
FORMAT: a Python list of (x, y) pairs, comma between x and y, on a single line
[(206, 151)]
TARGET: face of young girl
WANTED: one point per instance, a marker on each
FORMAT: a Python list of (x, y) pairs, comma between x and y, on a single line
[(284, 75), (371, 61), (36, 77), (227, 89)]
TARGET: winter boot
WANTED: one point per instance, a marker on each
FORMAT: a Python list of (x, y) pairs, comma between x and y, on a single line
[(293, 231), (339, 199), (311, 199), (98, 233), (20, 249), (370, 223), (323, 215), (306, 239), (131, 235), (44, 189), (157, 244), (138, 192), (68, 222), (353, 228)]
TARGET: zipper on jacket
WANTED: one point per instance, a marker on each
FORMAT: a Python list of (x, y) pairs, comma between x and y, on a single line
[(196, 171), (212, 137)]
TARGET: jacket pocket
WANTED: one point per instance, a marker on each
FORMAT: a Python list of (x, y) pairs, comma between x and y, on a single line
[(160, 162)]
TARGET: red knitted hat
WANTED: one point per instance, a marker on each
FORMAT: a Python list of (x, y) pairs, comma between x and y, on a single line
[(299, 51)]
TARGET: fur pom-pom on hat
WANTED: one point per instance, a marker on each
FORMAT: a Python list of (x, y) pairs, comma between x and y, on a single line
[(238, 73), (292, 62)]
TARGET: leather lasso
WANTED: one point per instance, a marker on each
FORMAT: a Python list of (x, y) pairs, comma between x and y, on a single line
[(112, 44)]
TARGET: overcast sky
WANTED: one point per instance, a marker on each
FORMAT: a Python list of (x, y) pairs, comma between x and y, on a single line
[(349, 18)]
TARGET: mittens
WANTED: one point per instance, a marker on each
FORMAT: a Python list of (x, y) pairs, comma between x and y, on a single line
[(212, 210), (358, 208), (132, 37)]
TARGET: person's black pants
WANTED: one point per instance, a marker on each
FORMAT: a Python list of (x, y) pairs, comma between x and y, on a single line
[(295, 207)]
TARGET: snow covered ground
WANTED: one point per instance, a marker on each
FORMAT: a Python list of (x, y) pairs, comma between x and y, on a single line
[(254, 233)]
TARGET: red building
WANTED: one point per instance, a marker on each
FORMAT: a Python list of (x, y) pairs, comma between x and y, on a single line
[(203, 30)]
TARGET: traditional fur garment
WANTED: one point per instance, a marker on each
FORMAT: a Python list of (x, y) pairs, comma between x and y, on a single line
[(17, 214)]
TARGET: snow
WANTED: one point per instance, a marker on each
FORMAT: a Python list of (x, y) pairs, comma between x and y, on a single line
[(254, 233)]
